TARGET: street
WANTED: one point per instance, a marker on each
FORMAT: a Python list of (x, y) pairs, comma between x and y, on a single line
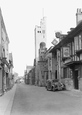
[(34, 100)]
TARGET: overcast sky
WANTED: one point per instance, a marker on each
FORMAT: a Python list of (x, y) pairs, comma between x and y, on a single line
[(20, 18)]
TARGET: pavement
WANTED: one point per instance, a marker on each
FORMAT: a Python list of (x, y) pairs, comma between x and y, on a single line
[(6, 101), (74, 92)]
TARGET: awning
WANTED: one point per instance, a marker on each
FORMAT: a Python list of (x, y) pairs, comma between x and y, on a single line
[(73, 63), (78, 52)]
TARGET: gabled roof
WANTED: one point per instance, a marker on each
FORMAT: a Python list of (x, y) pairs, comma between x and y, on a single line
[(69, 37)]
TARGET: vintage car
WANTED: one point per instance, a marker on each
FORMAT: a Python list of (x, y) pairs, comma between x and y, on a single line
[(57, 85), (54, 85), (49, 85)]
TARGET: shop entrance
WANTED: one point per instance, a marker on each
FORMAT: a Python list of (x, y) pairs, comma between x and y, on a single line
[(56, 74), (76, 80)]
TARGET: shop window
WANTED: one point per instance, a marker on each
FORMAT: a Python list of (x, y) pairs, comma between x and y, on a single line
[(65, 73), (49, 61), (76, 43)]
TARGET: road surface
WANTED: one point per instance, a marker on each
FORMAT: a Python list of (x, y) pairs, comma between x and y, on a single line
[(34, 100)]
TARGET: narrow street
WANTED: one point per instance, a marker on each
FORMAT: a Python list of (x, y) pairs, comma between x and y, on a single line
[(34, 100)]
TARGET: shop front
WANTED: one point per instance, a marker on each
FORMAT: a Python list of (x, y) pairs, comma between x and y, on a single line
[(75, 73)]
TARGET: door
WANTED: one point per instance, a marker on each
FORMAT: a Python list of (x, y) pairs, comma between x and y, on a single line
[(76, 79), (56, 74)]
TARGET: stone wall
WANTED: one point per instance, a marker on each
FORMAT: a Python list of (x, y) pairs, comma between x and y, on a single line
[(80, 84), (69, 83)]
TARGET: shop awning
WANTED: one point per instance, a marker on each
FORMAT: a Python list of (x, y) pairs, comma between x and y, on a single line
[(78, 52), (73, 63)]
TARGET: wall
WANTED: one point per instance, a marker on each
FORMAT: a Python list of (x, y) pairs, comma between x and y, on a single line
[(5, 44), (54, 66), (0, 25), (1, 81), (80, 78), (69, 83), (58, 65)]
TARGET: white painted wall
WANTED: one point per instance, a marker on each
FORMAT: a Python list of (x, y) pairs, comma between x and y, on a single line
[(5, 44), (39, 37)]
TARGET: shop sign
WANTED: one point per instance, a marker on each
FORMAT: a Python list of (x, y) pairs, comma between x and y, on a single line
[(54, 42), (66, 52)]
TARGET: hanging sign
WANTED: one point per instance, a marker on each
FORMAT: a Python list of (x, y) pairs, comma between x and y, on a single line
[(66, 52)]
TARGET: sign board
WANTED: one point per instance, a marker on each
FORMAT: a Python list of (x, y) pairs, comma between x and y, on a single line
[(66, 52), (54, 42)]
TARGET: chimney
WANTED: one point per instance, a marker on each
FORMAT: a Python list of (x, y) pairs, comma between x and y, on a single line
[(78, 16)]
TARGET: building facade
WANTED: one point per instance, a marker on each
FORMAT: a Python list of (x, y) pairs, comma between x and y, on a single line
[(27, 75), (4, 55), (69, 56), (11, 74)]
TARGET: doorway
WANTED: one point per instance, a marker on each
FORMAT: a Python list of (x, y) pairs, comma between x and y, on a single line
[(55, 74), (76, 80)]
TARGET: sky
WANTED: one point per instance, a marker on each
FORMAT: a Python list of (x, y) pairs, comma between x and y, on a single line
[(20, 18)]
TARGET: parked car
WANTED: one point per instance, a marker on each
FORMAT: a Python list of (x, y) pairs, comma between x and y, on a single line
[(54, 85), (57, 85), (49, 85)]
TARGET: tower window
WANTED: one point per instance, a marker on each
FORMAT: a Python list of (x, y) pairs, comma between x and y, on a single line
[(39, 31)]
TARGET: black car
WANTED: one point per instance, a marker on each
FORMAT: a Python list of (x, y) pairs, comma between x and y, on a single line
[(54, 85), (49, 85), (57, 85)]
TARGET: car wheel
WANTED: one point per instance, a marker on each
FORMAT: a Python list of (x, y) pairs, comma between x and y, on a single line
[(54, 89)]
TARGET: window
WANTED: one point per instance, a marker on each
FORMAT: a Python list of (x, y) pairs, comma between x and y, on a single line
[(76, 41), (38, 31), (49, 61), (3, 52), (80, 41)]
